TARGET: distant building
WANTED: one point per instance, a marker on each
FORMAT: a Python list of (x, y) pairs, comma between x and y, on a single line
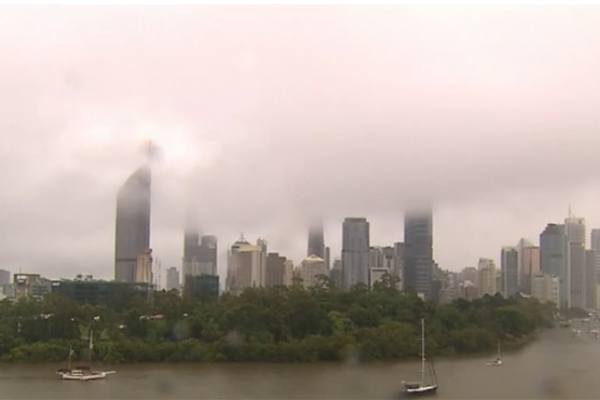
[(398, 269), (590, 279), (31, 285), (546, 288), (4, 277), (335, 274), (553, 256), (312, 266), (144, 267), (275, 269), (202, 287), (288, 266), (487, 277), (87, 290), (418, 252), (375, 275), (316, 240), (132, 235), (173, 279), (470, 291), (530, 267), (510, 271), (247, 264), (575, 231), (595, 246), (199, 254), (328, 257), (355, 252)]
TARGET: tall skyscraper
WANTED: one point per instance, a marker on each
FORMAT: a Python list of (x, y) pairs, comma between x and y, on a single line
[(199, 254), (132, 236), (530, 267), (590, 279), (172, 279), (553, 256), (595, 246), (486, 272), (418, 252), (247, 264), (275, 269), (509, 266), (316, 240), (399, 263), (355, 252), (575, 231)]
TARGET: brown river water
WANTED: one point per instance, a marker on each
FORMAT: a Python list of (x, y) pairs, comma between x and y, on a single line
[(557, 366)]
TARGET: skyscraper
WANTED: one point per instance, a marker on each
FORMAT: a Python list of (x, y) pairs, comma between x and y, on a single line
[(530, 267), (575, 231), (553, 256), (316, 240), (418, 252), (172, 279), (595, 246), (199, 254), (355, 252), (590, 279), (510, 271), (132, 236)]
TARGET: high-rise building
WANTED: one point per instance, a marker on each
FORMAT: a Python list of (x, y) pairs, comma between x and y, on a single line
[(310, 270), (399, 263), (328, 257), (486, 272), (335, 274), (4, 277), (144, 267), (575, 231), (509, 266), (546, 288), (199, 254), (595, 246), (530, 267), (132, 233), (590, 279), (418, 252), (375, 257), (275, 270), (172, 279), (355, 252), (553, 256), (316, 240), (247, 264)]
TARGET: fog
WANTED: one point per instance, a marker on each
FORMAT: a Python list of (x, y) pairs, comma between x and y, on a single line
[(269, 115)]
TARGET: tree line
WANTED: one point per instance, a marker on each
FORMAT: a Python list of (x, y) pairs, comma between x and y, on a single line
[(271, 324)]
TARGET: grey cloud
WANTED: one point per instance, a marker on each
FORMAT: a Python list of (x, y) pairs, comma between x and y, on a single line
[(270, 115)]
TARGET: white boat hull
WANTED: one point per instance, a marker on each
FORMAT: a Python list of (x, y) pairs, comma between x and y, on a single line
[(94, 376), (421, 390)]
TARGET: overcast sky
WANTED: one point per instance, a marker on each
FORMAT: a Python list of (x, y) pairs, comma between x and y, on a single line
[(269, 114)]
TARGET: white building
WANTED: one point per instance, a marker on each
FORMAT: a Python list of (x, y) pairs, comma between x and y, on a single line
[(288, 272), (311, 268), (375, 275), (546, 288), (247, 265), (486, 277), (172, 279), (143, 273)]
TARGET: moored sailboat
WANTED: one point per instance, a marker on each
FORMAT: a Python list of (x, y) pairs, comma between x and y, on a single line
[(498, 361), (82, 373), (421, 388)]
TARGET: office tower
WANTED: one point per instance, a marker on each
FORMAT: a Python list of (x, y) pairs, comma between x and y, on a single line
[(310, 270), (530, 267), (328, 257), (399, 263), (486, 271), (316, 240), (4, 277), (553, 258), (132, 234), (575, 231), (509, 266), (375, 257), (275, 269), (418, 252), (335, 274), (199, 254), (355, 252), (143, 271), (172, 279), (546, 288), (247, 264), (590, 279), (595, 246)]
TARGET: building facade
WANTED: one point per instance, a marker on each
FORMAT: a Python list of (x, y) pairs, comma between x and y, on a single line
[(173, 279), (418, 253), (310, 270), (553, 257), (355, 252), (316, 240), (132, 233), (509, 266)]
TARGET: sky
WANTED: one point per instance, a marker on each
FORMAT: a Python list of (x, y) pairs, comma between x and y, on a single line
[(267, 115)]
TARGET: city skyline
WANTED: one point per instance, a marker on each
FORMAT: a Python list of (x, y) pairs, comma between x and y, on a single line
[(259, 132)]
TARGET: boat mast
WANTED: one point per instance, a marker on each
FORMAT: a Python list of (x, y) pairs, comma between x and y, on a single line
[(70, 354), (499, 355), (422, 351), (91, 345)]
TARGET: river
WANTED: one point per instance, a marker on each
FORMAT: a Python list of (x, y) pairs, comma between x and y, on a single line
[(556, 366)]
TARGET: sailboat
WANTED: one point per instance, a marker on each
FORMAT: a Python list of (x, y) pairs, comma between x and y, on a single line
[(498, 361), (420, 388), (82, 373)]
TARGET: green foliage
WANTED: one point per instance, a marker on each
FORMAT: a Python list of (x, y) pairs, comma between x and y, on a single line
[(276, 324)]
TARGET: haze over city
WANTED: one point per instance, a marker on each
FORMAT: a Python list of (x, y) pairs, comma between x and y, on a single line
[(266, 116)]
